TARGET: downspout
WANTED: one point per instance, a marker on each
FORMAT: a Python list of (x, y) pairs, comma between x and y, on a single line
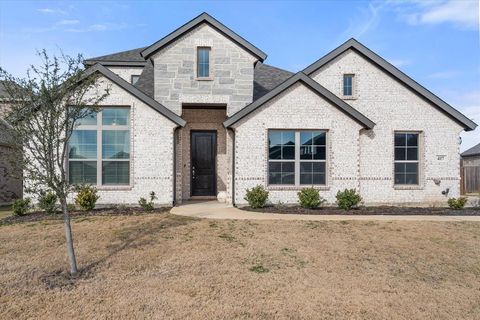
[(175, 165), (233, 166)]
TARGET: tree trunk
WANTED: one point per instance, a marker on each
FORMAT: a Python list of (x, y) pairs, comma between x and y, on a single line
[(69, 238)]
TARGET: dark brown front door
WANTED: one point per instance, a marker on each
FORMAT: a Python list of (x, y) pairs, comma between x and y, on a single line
[(203, 152)]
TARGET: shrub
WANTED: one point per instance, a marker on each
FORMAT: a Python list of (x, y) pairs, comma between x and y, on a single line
[(147, 206), (71, 207), (309, 198), (86, 197), (48, 202), (256, 197), (348, 199), (458, 203), (21, 207)]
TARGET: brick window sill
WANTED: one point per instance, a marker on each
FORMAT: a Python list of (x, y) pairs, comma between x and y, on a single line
[(295, 188), (408, 187), (114, 188)]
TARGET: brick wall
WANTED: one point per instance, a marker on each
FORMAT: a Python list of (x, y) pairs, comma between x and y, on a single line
[(394, 107), (296, 108), (126, 73)]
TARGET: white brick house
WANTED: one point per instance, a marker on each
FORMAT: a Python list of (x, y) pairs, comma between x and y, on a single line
[(199, 115)]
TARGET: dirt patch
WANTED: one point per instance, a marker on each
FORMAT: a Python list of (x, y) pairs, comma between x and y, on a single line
[(42, 216), (163, 266), (384, 210)]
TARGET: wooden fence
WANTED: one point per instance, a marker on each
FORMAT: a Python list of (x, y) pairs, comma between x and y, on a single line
[(470, 180)]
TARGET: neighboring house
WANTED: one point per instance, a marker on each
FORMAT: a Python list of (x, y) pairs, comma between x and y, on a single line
[(10, 185), (470, 166), (199, 115), (471, 157)]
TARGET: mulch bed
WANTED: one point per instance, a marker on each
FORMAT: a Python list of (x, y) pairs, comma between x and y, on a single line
[(383, 210), (41, 216)]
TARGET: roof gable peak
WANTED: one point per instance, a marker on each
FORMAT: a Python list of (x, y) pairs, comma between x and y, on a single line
[(391, 70), (195, 22)]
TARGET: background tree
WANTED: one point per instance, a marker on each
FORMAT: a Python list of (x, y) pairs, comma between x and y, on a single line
[(45, 107)]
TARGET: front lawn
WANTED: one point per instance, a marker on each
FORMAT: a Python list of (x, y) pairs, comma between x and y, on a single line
[(170, 267)]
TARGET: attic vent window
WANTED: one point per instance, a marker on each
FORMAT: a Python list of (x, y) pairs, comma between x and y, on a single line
[(203, 62), (348, 85), (134, 79)]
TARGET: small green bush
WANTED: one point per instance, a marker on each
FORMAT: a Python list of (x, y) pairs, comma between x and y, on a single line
[(256, 197), (309, 198), (147, 205), (48, 202), (86, 197), (457, 203), (71, 207), (348, 199), (21, 207)]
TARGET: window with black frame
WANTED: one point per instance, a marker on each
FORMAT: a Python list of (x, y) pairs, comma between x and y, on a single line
[(406, 158), (297, 157)]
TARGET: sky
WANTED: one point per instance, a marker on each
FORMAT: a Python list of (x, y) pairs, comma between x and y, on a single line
[(437, 43)]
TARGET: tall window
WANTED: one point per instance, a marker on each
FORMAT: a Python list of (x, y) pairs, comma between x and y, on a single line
[(406, 158), (296, 157), (203, 62), (348, 85), (99, 148)]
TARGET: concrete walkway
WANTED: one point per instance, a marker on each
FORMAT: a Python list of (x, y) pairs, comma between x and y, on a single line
[(217, 210)]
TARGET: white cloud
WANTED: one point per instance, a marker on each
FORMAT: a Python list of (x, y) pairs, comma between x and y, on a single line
[(464, 13), (400, 62), (98, 27), (68, 22), (51, 11), (461, 13), (443, 75)]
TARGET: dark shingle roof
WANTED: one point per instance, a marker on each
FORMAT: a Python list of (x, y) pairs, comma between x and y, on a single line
[(125, 58), (266, 77), (473, 151), (145, 82)]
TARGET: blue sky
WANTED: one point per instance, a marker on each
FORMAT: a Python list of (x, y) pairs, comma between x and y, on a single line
[(437, 43)]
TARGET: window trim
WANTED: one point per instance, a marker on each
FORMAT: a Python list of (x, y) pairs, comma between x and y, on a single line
[(99, 128), (420, 147), (353, 96), (210, 55), (297, 161)]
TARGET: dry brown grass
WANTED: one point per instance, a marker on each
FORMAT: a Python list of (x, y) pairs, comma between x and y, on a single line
[(163, 266)]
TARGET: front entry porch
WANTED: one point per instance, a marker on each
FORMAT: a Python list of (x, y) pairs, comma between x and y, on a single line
[(201, 154)]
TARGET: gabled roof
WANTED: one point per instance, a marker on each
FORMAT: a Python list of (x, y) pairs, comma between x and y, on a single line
[(204, 18), (473, 151), (397, 74), (136, 93), (266, 77), (316, 87), (131, 58)]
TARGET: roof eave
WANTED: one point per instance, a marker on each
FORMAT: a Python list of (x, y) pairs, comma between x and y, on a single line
[(301, 77), (136, 93), (111, 63)]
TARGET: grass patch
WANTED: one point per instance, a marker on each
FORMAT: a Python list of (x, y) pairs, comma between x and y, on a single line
[(259, 269)]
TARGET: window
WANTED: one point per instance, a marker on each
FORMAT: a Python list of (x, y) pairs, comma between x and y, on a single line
[(406, 158), (296, 157), (348, 85), (203, 62), (134, 79), (99, 148)]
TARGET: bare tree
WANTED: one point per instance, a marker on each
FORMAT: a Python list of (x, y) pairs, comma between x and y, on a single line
[(45, 107)]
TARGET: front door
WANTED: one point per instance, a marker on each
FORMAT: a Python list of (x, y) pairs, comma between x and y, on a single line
[(203, 152)]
